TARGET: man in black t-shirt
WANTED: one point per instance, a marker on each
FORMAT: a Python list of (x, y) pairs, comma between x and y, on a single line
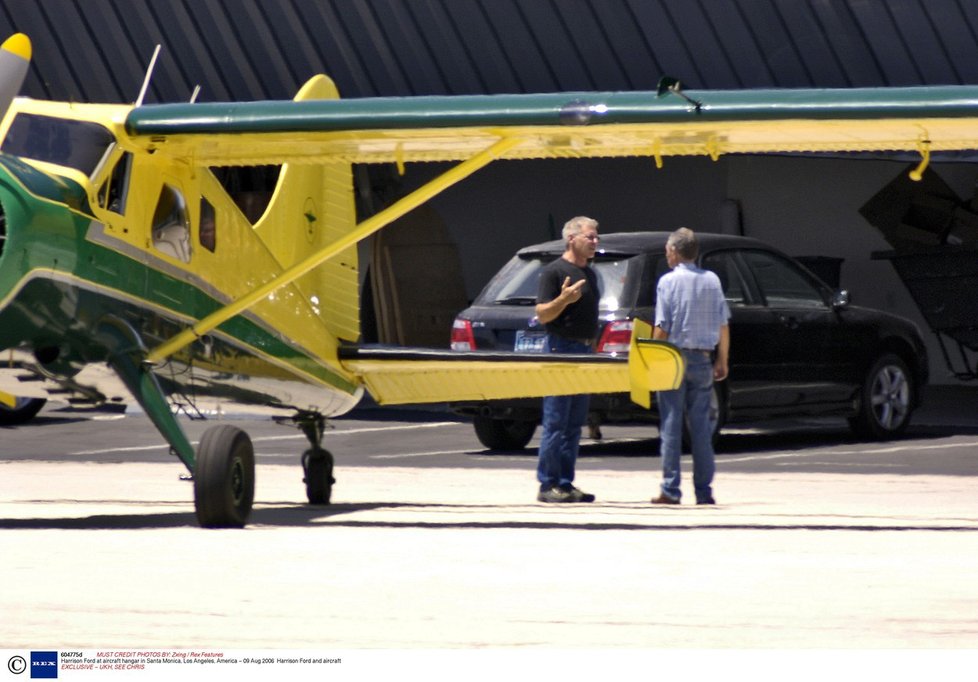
[(567, 303)]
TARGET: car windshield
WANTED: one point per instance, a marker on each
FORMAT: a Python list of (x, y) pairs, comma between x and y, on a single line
[(516, 283)]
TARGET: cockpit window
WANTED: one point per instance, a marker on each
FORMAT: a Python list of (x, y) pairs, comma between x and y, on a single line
[(208, 225), (112, 194), (75, 144), (171, 229)]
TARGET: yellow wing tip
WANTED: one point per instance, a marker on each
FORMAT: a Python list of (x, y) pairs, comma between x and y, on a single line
[(18, 44), (652, 365)]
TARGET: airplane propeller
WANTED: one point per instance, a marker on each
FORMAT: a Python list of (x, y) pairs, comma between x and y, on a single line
[(15, 59)]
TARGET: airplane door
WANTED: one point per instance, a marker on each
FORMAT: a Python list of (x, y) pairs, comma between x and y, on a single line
[(118, 215)]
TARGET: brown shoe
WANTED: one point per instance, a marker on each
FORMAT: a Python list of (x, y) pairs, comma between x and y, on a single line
[(664, 499)]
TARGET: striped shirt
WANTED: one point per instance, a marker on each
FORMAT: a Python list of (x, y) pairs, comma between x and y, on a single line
[(690, 307)]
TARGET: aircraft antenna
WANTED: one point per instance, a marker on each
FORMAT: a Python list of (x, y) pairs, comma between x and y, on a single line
[(149, 74), (667, 84), (193, 97)]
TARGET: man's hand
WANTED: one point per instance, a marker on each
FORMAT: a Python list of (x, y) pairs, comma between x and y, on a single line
[(571, 292), (721, 367), (720, 370)]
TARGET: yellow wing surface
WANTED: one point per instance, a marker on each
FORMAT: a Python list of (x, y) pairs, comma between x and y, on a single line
[(477, 130), (396, 376)]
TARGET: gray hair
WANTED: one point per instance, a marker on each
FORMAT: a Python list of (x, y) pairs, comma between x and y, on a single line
[(683, 242), (577, 225)]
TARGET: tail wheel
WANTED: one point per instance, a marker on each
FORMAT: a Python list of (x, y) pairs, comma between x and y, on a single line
[(224, 479), (317, 466), (885, 400)]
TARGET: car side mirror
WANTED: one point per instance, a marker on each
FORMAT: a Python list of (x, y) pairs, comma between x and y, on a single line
[(840, 299)]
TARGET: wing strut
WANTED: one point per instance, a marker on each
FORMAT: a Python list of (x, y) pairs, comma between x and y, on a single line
[(363, 230)]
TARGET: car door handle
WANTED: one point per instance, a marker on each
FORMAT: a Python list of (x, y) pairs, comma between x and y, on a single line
[(789, 321)]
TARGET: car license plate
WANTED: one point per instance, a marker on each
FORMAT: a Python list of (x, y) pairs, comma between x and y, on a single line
[(528, 341)]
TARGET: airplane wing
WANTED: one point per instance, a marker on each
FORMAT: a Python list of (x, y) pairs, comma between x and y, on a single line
[(563, 125), (403, 376), (476, 130)]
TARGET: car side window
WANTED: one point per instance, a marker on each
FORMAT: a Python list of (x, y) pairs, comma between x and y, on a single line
[(781, 282), (655, 266), (722, 263)]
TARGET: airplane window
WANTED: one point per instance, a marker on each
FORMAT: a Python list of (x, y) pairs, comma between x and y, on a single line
[(171, 232), (112, 194), (250, 187), (208, 225), (75, 144)]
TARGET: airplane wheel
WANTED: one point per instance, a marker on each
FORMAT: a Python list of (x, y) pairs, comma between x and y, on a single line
[(317, 467), (22, 412), (224, 480)]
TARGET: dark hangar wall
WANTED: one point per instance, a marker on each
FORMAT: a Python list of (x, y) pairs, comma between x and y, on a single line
[(97, 50)]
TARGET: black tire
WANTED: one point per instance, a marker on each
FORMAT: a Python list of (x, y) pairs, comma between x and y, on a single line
[(317, 467), (224, 480), (885, 399), (25, 410), (503, 434)]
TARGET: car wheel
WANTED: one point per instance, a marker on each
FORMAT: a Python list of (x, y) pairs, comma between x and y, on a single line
[(23, 411), (885, 399), (503, 434)]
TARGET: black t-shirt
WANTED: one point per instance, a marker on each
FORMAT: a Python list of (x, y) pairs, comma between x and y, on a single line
[(579, 319)]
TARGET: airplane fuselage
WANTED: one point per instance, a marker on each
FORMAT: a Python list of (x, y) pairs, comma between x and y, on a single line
[(108, 242)]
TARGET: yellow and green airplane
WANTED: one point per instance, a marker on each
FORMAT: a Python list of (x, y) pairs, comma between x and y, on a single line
[(128, 271)]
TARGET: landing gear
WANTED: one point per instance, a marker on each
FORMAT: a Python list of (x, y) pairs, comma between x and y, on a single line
[(224, 478), (317, 461), (317, 469)]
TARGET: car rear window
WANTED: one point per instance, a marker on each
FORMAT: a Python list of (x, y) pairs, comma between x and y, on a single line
[(516, 283)]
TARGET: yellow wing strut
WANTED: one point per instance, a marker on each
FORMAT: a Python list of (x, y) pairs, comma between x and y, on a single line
[(363, 230)]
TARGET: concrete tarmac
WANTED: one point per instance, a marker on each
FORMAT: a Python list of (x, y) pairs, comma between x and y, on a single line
[(110, 553), (98, 555)]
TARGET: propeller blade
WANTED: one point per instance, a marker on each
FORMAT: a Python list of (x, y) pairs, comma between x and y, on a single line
[(15, 59)]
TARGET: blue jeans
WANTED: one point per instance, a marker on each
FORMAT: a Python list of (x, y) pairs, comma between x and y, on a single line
[(563, 417), (692, 398)]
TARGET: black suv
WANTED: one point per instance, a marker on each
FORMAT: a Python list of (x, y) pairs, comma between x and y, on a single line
[(797, 348)]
